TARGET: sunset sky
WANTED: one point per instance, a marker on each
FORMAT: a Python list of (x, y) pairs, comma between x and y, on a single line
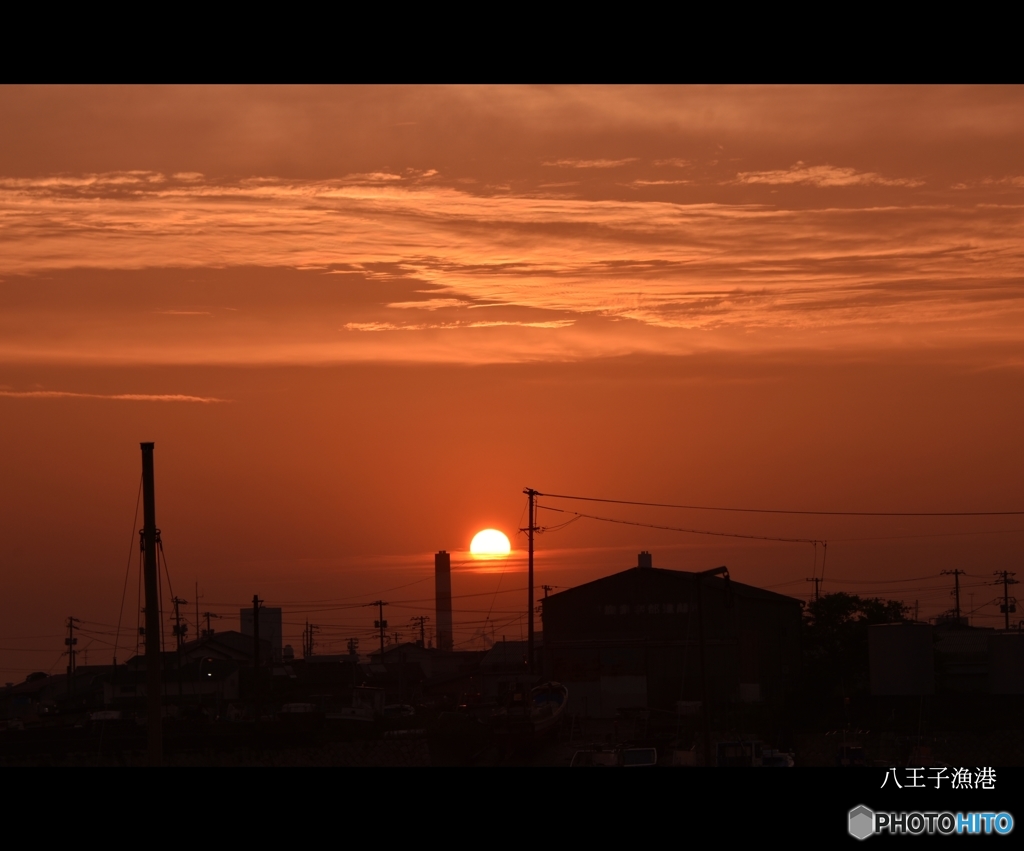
[(357, 322)]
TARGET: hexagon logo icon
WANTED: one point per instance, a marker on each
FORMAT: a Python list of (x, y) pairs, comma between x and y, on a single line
[(862, 822)]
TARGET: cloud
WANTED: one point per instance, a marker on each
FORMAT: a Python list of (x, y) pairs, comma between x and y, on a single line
[(374, 177), (554, 323), (389, 326), (381, 326), (1016, 181), (128, 397), (427, 246), (432, 304), (590, 163), (636, 184), (186, 312), (823, 176), (675, 162)]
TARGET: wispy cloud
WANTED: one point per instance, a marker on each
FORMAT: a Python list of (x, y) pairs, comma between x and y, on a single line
[(390, 326), (590, 163), (127, 397), (824, 176), (1015, 180), (536, 261), (431, 304), (554, 323), (381, 326), (641, 183)]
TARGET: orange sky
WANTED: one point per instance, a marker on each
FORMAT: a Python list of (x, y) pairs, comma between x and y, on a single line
[(358, 321)]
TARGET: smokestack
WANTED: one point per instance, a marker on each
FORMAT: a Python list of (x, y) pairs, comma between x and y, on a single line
[(644, 560), (443, 600)]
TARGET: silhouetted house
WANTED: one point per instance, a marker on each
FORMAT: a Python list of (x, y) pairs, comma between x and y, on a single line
[(200, 681), (505, 665), (42, 695), (507, 657), (462, 685), (408, 667), (432, 662), (37, 696), (636, 639), (228, 646)]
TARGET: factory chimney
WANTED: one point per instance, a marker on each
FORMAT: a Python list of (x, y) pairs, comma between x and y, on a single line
[(443, 599)]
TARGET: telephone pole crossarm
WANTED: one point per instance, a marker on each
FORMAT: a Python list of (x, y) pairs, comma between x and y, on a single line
[(380, 624), (1009, 605), (956, 574)]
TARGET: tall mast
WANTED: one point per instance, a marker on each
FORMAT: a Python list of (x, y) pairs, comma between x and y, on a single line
[(149, 539)]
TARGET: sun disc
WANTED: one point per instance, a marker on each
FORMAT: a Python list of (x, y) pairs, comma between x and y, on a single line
[(490, 543)]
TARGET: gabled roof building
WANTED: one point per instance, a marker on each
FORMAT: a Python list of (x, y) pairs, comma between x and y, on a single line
[(636, 639)]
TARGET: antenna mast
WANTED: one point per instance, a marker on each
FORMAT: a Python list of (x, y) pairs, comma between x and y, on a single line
[(150, 536)]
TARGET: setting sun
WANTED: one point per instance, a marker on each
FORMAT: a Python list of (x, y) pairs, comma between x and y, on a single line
[(490, 543)]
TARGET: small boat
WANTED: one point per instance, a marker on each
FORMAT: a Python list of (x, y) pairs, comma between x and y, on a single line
[(530, 713), (547, 704)]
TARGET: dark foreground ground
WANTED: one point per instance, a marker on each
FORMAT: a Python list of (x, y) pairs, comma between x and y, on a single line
[(270, 745)]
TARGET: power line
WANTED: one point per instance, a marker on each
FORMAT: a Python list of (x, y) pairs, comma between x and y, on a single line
[(680, 529), (792, 511), (931, 535), (128, 568)]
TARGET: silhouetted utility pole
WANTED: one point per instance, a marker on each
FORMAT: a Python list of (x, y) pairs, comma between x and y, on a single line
[(209, 630), (421, 620), (70, 642), (956, 574), (353, 647), (1007, 608), (256, 601), (307, 639), (179, 634), (395, 636), (546, 589), (380, 624), (150, 535), (817, 582), (530, 529), (179, 630)]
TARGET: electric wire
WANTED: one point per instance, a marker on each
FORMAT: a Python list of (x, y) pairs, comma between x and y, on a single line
[(792, 511), (128, 567), (681, 529)]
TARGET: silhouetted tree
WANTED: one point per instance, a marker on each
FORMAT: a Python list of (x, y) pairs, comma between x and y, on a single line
[(836, 639)]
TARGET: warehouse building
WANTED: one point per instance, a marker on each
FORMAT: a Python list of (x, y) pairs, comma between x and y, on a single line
[(661, 639)]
